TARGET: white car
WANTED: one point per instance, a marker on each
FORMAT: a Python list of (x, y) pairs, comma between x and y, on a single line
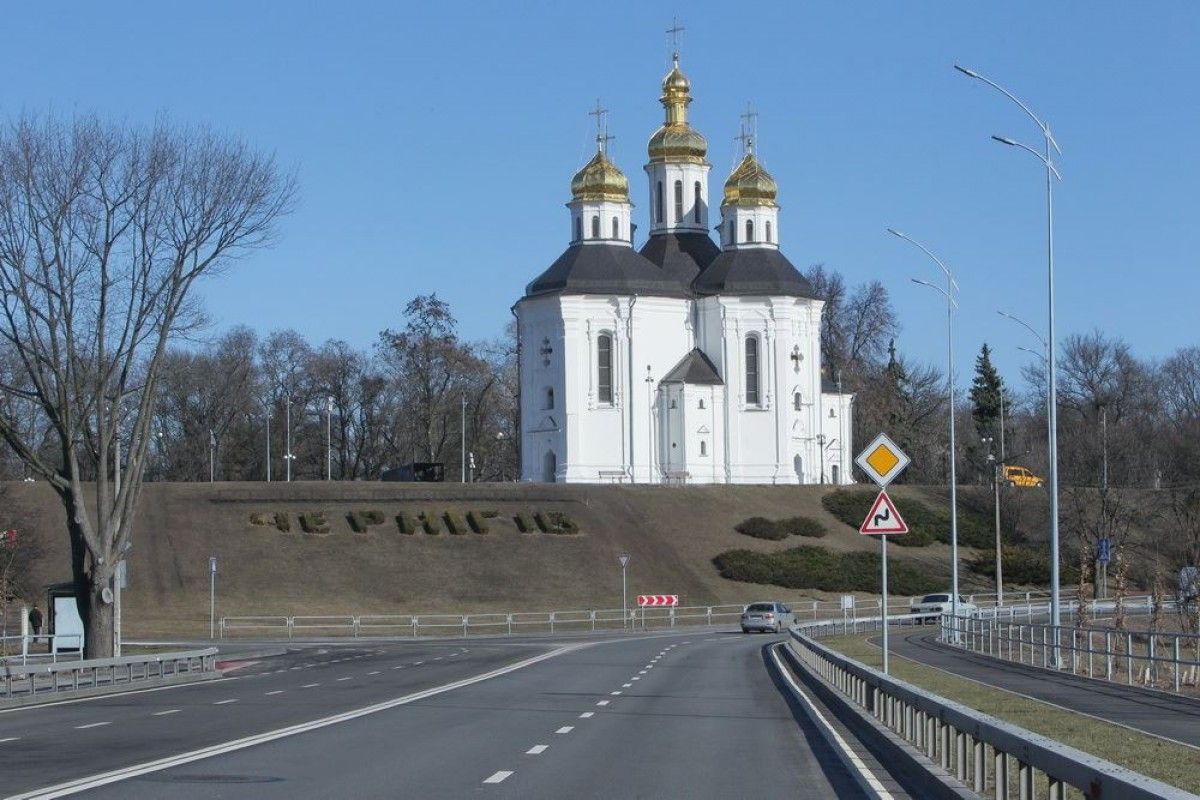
[(932, 606)]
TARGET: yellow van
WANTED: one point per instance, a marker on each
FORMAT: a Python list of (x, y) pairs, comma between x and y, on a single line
[(1019, 476)]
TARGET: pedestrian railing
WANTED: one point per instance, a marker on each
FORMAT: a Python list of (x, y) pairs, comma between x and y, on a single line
[(985, 754), (1157, 659), (30, 680), (23, 649)]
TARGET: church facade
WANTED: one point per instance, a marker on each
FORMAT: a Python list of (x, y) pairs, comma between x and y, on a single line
[(686, 361)]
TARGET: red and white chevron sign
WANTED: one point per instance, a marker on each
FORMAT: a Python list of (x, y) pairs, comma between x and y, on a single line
[(657, 600)]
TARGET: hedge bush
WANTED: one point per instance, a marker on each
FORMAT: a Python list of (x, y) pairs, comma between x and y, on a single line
[(314, 522), (406, 523), (524, 523), (430, 523), (810, 567), (761, 528), (926, 523), (802, 526), (260, 518), (477, 521), (455, 523), (358, 521), (283, 521), (373, 517), (555, 522), (1021, 566), (489, 514)]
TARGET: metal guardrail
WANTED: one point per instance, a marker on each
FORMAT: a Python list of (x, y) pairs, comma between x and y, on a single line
[(35, 679), (1155, 659), (57, 643), (514, 622), (983, 753)]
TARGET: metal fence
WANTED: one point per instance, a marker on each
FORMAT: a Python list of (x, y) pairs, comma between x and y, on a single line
[(1157, 659), (33, 679), (985, 754), (516, 622)]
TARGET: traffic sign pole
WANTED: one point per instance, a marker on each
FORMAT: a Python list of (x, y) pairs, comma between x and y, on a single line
[(884, 609)]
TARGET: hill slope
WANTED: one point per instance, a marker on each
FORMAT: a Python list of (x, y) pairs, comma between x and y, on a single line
[(672, 534)]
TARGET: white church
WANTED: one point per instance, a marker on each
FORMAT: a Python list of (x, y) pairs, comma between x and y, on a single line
[(684, 361)]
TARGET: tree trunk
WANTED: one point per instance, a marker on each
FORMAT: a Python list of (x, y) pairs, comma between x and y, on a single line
[(90, 581)]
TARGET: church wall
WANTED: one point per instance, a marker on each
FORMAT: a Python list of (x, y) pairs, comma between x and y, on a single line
[(543, 432)]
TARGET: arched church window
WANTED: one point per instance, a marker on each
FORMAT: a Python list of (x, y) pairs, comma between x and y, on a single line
[(658, 202), (749, 230), (833, 474), (701, 403), (703, 447), (768, 224), (732, 233), (673, 404), (679, 201), (578, 228), (549, 399), (752, 395), (604, 383), (596, 226), (696, 201), (796, 401), (616, 228)]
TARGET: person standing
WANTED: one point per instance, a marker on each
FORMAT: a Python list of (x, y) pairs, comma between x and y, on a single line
[(35, 620)]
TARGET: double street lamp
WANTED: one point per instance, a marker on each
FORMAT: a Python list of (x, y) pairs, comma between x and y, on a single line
[(949, 292), (1047, 158)]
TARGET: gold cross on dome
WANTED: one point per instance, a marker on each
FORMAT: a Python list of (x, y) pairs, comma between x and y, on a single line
[(602, 137), (674, 32), (749, 128)]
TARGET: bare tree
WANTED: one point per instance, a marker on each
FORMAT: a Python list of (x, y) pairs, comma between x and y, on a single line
[(104, 231)]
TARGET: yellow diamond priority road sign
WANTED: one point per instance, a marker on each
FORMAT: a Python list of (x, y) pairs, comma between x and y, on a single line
[(882, 460)]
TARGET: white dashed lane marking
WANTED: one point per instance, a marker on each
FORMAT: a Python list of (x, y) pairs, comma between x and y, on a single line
[(376, 672), (164, 713), (626, 685), (602, 703), (537, 749), (586, 714), (224, 702), (310, 686), (92, 725), (498, 777), (614, 694), (345, 678), (277, 691), (10, 739), (565, 729)]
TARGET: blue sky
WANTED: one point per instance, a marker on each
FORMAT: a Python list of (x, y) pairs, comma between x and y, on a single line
[(434, 144)]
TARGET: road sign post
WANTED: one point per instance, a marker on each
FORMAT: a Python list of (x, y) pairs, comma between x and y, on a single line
[(882, 460), (623, 560), (1103, 556), (212, 596)]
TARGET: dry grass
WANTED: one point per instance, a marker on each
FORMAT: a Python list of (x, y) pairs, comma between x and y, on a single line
[(672, 534), (1171, 763)]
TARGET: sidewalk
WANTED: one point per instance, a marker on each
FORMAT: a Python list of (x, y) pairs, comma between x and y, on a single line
[(1169, 716)]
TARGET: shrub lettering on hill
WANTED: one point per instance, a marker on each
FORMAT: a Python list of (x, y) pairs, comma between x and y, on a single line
[(429, 521)]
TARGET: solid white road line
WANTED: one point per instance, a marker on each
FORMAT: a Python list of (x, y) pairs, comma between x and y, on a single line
[(277, 691), (537, 749), (587, 715), (92, 725), (864, 773), (565, 729), (224, 702), (164, 713), (124, 773), (498, 777)]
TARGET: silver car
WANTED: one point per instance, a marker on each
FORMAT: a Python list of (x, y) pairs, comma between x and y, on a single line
[(767, 617)]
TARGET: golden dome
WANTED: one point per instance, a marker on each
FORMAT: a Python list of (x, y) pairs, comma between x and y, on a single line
[(600, 180), (750, 185), (677, 141)]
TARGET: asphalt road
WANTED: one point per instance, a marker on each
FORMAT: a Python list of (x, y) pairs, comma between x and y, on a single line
[(696, 715), (1157, 713)]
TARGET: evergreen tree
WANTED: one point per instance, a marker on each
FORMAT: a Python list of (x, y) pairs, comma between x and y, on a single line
[(987, 395)]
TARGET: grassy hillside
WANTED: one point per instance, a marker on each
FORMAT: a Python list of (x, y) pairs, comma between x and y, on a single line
[(672, 534)]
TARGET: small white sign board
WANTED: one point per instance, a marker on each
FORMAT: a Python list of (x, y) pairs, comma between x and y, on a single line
[(847, 602), (882, 460)]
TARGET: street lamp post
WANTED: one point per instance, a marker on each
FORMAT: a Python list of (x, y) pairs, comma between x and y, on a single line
[(649, 426), (288, 456), (267, 407), (948, 293), (462, 430), (329, 438), (212, 455), (1047, 159)]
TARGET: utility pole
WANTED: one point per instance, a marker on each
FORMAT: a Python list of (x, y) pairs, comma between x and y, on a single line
[(288, 439), (462, 431), (329, 439), (268, 409), (212, 455)]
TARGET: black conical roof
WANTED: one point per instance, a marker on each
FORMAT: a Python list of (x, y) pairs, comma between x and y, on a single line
[(681, 256), (695, 368), (604, 269), (752, 271)]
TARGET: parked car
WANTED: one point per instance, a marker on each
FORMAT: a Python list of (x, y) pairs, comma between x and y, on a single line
[(767, 617), (1020, 476), (932, 606)]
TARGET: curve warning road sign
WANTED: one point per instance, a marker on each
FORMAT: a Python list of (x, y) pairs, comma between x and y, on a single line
[(883, 517), (657, 600)]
